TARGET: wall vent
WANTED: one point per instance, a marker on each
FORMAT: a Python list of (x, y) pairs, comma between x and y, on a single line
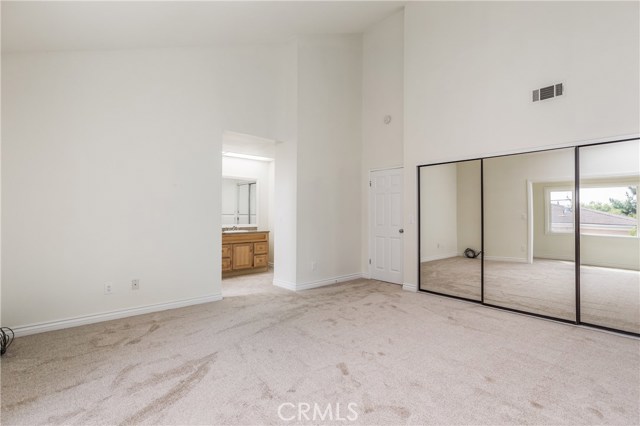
[(548, 92)]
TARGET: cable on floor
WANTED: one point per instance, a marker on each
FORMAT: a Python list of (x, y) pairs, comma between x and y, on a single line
[(471, 253), (6, 337)]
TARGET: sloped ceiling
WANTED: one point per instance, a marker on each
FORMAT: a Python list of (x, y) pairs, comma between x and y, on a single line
[(54, 26)]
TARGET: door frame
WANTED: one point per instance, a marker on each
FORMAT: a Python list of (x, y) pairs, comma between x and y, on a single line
[(370, 230)]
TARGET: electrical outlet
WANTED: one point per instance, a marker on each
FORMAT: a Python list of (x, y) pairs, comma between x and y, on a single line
[(135, 284), (108, 288), (313, 265)]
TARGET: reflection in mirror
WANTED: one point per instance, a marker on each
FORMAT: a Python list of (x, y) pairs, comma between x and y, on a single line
[(451, 223), (529, 237), (238, 202), (609, 244)]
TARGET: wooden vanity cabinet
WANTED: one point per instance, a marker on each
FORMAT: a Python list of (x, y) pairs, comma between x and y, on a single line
[(245, 252)]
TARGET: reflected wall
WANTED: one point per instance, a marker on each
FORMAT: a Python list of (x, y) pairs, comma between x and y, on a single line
[(609, 244), (451, 223)]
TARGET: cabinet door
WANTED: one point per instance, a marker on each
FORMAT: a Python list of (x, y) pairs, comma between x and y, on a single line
[(226, 250), (242, 256)]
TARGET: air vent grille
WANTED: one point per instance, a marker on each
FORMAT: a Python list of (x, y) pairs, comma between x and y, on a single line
[(548, 92)]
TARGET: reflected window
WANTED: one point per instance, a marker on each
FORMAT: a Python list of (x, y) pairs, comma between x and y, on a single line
[(238, 202), (609, 210), (559, 203)]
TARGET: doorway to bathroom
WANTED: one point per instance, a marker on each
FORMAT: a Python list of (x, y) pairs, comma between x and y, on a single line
[(247, 193)]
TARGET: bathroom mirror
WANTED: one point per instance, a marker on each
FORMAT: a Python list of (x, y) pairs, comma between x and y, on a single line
[(450, 225), (609, 243), (529, 237), (238, 202)]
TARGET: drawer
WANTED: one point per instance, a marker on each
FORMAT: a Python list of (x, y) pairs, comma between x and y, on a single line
[(245, 237), (261, 247), (260, 260), (226, 264), (226, 250)]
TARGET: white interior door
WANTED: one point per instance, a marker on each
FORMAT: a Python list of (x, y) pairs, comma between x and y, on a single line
[(385, 236)]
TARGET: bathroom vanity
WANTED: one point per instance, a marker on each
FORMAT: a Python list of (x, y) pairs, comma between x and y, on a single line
[(244, 252)]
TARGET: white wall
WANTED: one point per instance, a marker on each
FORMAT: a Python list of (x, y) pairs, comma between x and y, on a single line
[(286, 175), (382, 95), (470, 69), (111, 171), (438, 212), (329, 159), (260, 171)]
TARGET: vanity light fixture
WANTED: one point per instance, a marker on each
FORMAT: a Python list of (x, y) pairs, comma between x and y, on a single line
[(246, 156)]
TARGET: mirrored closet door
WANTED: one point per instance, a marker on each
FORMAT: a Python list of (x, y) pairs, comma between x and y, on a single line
[(518, 232), (609, 243), (529, 238), (451, 229)]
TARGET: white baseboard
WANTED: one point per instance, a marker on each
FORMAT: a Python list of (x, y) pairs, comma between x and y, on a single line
[(314, 284), (410, 287), (598, 264), (506, 259), (287, 285), (438, 257), (611, 265), (334, 280), (551, 257), (107, 316)]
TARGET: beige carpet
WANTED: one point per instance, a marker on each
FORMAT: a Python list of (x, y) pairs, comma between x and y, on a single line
[(403, 358), (454, 276), (609, 297)]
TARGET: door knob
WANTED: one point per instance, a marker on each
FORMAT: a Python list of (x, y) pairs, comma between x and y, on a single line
[(401, 231)]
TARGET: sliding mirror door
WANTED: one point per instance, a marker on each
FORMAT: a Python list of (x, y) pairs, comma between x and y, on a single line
[(451, 223), (609, 244), (529, 237)]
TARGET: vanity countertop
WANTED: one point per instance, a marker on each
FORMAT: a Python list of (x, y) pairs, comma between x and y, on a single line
[(241, 231)]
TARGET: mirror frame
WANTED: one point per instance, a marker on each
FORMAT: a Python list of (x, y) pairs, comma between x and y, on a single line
[(577, 232)]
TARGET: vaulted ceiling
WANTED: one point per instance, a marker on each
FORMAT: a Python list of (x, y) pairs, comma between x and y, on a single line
[(72, 25)]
